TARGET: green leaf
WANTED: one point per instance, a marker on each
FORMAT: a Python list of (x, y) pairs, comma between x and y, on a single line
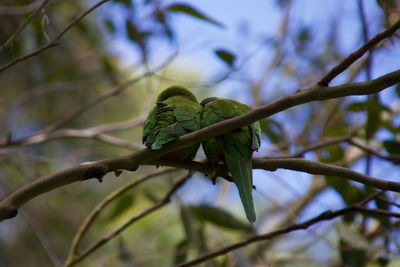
[(357, 106), (392, 147), (127, 3), (109, 25), (188, 10), (220, 217), (398, 89), (226, 56), (349, 193), (189, 225), (122, 205), (180, 253), (273, 130)]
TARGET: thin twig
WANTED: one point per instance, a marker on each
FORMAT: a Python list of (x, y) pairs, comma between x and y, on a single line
[(390, 202), (327, 215), (345, 64), (111, 235), (56, 39), (107, 200), (316, 146), (393, 158), (22, 27)]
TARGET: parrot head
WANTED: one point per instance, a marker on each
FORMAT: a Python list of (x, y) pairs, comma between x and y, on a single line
[(176, 91)]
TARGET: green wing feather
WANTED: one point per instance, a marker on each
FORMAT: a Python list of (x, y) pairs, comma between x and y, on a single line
[(176, 113)]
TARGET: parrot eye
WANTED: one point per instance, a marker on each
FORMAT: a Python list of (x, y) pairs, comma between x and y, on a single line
[(207, 100)]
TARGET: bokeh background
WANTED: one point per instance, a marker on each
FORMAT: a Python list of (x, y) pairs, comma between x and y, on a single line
[(250, 51)]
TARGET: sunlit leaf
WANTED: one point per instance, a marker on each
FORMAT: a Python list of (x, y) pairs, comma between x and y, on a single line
[(188, 10), (226, 56)]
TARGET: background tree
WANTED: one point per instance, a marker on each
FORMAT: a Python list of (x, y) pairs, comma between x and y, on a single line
[(78, 78)]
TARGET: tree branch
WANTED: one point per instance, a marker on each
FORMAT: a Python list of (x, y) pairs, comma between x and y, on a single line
[(22, 27), (327, 215), (357, 54), (107, 200), (111, 235), (56, 39), (393, 158), (9, 205)]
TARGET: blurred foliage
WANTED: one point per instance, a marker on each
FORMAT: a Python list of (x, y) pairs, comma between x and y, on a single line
[(55, 83)]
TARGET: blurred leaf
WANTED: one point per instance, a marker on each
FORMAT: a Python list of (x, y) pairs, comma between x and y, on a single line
[(352, 237), (220, 217), (349, 193), (392, 147), (273, 130), (151, 195), (226, 56), (127, 3), (162, 19), (357, 106), (138, 37), (398, 89), (180, 252), (124, 203), (109, 26), (352, 257), (188, 10), (123, 253), (189, 225), (333, 153)]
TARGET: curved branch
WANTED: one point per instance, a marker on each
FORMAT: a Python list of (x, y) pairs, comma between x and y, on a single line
[(357, 54), (164, 201), (108, 199), (9, 205)]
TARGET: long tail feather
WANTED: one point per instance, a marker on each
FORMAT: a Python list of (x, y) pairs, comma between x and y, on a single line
[(241, 171)]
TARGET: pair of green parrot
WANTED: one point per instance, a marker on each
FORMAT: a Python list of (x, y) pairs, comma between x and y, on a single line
[(177, 113)]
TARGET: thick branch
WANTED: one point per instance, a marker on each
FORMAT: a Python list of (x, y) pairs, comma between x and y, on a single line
[(9, 206)]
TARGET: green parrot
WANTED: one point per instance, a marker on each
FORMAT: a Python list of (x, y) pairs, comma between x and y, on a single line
[(175, 113), (234, 148)]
